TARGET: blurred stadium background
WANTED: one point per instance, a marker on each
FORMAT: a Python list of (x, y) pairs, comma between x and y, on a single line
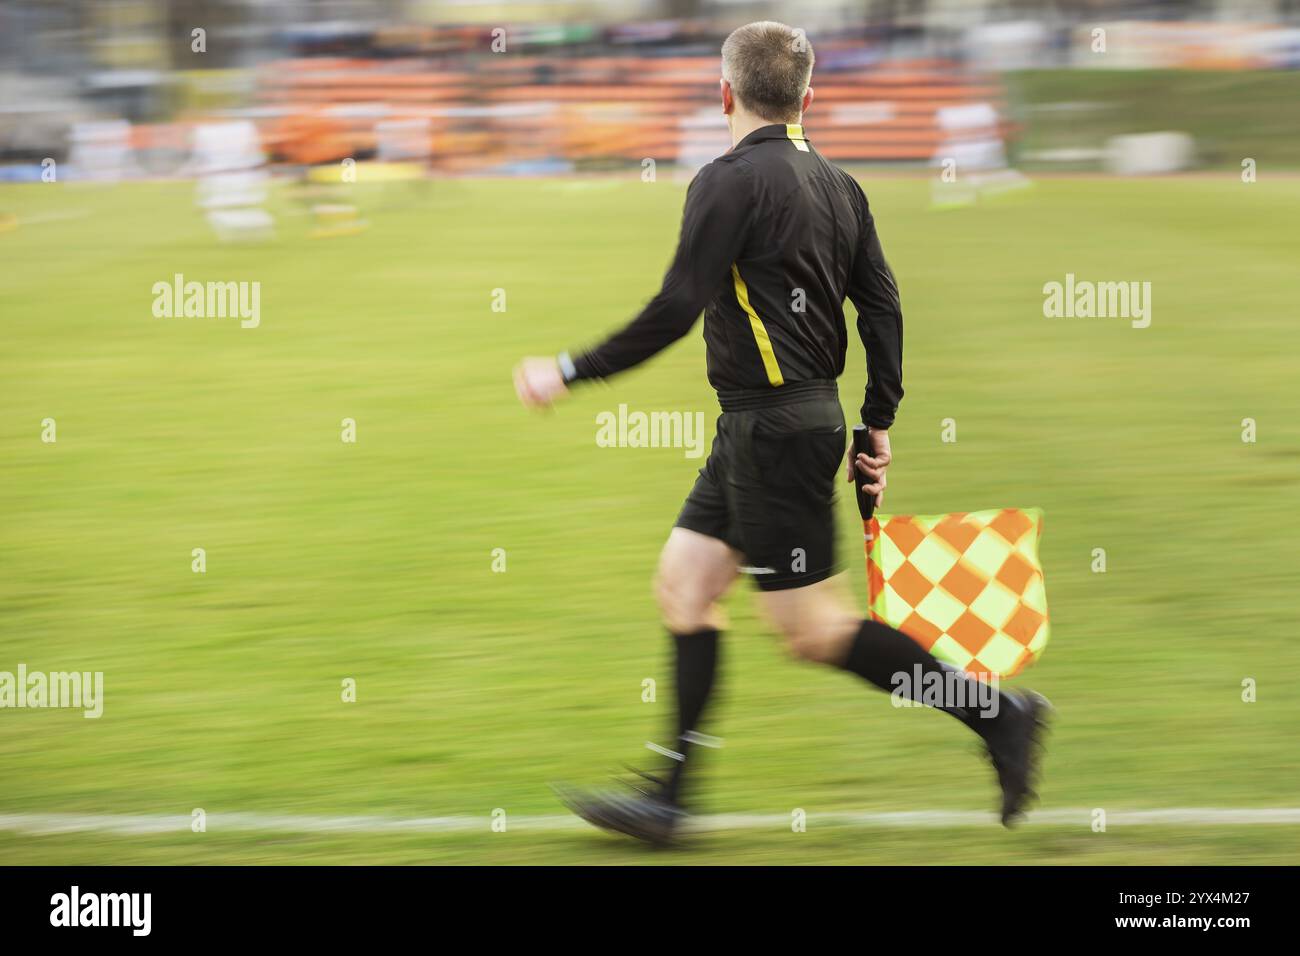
[(384, 170), (501, 88)]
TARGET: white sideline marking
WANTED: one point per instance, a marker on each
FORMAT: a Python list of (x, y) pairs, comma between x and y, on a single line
[(139, 825)]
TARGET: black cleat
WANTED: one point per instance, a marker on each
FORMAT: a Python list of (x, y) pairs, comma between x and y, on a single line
[(642, 816), (1016, 747)]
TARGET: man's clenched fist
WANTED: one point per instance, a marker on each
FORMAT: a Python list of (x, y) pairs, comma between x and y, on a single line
[(873, 465), (538, 382)]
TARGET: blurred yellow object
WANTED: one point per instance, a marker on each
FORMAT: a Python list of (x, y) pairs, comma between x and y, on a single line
[(367, 173), (336, 219)]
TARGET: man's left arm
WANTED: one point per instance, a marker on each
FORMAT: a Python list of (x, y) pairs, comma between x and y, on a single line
[(874, 293), (714, 222)]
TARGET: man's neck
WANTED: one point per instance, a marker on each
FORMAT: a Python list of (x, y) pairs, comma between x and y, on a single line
[(743, 123)]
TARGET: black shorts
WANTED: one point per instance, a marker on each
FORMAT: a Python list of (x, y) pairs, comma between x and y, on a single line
[(768, 486)]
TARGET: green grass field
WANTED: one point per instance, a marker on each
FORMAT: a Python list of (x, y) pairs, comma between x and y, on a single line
[(1231, 115), (475, 689)]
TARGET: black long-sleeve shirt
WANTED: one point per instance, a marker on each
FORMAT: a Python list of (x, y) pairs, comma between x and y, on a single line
[(774, 238)]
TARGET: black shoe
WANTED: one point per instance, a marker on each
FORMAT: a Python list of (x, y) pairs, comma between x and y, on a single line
[(1015, 746), (643, 816)]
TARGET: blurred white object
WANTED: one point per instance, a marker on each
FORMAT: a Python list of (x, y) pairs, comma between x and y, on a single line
[(101, 151), (240, 225), (704, 138), (233, 182), (249, 187), (224, 147), (971, 158), (971, 137), (1008, 45), (1149, 154), (1277, 49)]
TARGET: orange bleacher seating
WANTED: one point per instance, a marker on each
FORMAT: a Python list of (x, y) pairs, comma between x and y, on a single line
[(629, 107)]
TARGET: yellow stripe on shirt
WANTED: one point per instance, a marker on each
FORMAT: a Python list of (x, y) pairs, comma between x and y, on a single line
[(760, 331)]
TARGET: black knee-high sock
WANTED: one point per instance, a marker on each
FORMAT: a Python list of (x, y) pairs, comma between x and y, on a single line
[(696, 666), (891, 660)]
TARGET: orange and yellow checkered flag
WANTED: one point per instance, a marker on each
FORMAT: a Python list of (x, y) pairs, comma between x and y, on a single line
[(967, 587)]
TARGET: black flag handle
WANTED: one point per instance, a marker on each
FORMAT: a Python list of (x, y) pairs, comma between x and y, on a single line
[(862, 445)]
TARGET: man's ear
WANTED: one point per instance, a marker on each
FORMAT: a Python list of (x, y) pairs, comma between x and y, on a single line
[(807, 100), (728, 100)]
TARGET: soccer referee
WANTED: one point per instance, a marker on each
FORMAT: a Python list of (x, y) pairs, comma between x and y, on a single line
[(773, 239)]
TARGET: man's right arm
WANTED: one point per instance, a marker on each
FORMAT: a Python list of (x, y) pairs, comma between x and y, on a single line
[(714, 223)]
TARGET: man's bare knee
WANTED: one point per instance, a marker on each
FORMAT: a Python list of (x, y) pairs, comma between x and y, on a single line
[(684, 604), (824, 641), (816, 646), (695, 571), (817, 621)]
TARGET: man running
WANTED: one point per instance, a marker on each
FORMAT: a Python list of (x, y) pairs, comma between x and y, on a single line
[(773, 239)]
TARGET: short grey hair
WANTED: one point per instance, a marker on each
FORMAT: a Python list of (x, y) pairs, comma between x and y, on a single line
[(769, 66)]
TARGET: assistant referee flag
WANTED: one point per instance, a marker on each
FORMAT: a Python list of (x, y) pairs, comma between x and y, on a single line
[(967, 587)]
